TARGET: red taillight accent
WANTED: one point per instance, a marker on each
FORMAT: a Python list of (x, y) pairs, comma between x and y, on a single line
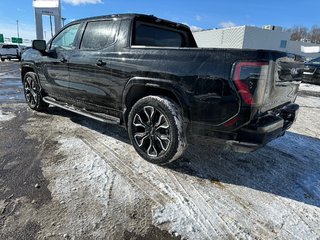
[(242, 86), (232, 121)]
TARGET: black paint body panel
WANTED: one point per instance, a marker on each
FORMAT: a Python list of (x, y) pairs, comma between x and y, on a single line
[(200, 80)]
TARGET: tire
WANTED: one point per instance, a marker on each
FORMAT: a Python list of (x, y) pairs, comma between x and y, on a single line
[(2, 59), (32, 92), (156, 131)]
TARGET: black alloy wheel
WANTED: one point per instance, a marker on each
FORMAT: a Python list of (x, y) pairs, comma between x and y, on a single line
[(156, 129), (32, 92)]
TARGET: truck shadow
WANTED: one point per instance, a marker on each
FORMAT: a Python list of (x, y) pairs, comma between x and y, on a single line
[(288, 167)]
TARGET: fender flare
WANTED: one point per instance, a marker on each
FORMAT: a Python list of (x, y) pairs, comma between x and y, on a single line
[(162, 85)]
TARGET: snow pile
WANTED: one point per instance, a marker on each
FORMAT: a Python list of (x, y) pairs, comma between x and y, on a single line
[(6, 116)]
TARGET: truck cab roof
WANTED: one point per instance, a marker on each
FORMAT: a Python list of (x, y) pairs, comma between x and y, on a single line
[(131, 16)]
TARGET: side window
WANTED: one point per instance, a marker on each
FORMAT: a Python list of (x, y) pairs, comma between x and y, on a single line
[(99, 34), (66, 39), (150, 35)]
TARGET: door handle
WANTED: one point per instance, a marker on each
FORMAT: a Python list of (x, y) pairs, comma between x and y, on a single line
[(63, 60), (101, 63)]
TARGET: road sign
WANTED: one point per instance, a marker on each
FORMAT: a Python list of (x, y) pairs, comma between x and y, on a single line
[(1, 38), (16, 40)]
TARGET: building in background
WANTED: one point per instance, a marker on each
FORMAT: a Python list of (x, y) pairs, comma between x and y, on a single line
[(248, 37), (51, 8)]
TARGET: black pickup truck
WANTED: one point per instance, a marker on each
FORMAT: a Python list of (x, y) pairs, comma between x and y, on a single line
[(148, 75)]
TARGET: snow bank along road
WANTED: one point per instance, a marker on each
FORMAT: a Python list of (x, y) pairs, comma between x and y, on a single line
[(63, 176)]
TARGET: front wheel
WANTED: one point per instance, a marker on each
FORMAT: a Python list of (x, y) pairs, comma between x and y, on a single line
[(156, 129), (32, 92)]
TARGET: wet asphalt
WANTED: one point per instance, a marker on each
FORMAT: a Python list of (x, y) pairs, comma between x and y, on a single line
[(20, 171)]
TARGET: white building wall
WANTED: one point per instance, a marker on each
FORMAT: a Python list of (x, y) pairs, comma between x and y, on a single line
[(221, 38), (247, 37), (258, 38)]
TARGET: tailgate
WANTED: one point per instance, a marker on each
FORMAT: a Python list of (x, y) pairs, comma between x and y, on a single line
[(8, 51), (285, 75)]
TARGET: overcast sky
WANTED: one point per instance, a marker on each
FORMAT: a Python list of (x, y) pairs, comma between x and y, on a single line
[(202, 14)]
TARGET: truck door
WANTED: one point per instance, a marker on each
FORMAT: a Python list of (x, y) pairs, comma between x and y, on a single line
[(55, 64), (91, 83)]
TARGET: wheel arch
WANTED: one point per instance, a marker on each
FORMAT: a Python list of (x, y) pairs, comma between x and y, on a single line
[(25, 69), (138, 88)]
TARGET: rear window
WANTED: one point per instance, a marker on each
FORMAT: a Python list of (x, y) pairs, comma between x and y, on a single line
[(99, 34), (148, 34), (9, 46)]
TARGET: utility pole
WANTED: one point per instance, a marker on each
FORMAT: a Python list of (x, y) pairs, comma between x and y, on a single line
[(18, 28)]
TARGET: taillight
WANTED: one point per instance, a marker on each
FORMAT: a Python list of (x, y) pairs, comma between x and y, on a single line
[(248, 76)]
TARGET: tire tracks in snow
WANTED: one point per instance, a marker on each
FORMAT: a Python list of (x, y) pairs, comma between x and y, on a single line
[(124, 169), (160, 196), (165, 186), (153, 191)]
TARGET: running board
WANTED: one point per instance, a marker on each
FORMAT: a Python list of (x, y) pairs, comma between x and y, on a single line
[(97, 116)]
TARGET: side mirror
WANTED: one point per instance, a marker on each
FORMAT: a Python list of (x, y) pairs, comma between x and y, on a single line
[(39, 45)]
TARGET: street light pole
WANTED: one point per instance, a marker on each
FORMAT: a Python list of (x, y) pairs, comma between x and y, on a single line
[(51, 26), (18, 28), (63, 19)]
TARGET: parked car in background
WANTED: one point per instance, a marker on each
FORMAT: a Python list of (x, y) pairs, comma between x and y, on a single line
[(24, 48), (148, 75), (9, 51), (311, 73)]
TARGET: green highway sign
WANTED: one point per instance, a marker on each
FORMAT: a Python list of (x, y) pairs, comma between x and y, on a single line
[(16, 40), (1, 38)]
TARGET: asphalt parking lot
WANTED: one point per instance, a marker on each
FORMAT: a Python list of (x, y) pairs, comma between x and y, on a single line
[(64, 176)]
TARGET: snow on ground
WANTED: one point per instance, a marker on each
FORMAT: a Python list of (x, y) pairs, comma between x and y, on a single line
[(309, 102), (308, 123), (89, 198), (309, 87), (209, 193), (6, 116)]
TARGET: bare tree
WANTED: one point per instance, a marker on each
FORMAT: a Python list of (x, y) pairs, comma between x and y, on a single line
[(299, 33), (315, 34)]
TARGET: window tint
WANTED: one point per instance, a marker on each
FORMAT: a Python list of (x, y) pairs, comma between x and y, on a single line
[(316, 61), (99, 34), (150, 35), (66, 39)]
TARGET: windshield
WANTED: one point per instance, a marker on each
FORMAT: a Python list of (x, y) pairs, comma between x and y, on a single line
[(315, 61)]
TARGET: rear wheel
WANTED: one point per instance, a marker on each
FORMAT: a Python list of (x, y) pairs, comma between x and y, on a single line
[(32, 92), (2, 59), (156, 130)]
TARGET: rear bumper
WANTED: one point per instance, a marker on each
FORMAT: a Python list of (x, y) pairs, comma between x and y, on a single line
[(7, 56), (264, 129)]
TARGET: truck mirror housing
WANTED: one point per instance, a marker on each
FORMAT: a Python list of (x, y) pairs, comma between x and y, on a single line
[(39, 45)]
